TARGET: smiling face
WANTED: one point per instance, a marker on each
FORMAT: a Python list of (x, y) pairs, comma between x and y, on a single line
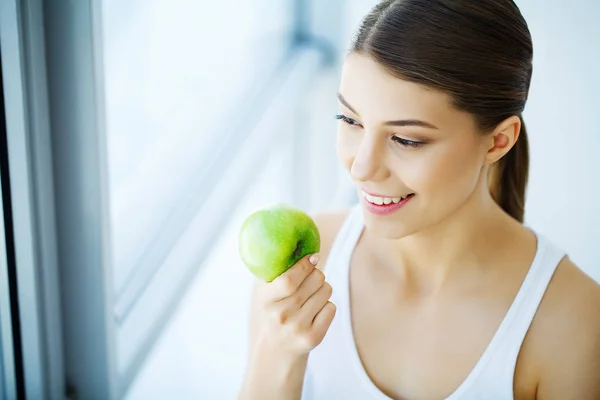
[(398, 138)]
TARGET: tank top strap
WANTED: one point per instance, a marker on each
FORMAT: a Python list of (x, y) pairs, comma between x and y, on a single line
[(494, 373)]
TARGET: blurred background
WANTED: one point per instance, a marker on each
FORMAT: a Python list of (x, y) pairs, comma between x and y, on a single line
[(137, 136)]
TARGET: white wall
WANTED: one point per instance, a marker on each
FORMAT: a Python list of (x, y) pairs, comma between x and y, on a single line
[(565, 179), (564, 184)]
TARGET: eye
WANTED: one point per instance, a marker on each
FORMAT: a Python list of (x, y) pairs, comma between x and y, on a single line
[(347, 120), (406, 142)]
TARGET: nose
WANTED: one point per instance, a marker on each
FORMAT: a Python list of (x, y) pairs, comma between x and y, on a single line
[(369, 162)]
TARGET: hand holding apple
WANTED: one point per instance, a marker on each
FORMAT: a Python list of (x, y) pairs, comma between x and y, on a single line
[(291, 308)]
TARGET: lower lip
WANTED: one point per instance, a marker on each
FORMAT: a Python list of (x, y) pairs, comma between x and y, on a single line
[(384, 209)]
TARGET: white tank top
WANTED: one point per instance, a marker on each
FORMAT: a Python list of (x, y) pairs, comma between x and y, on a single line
[(334, 369)]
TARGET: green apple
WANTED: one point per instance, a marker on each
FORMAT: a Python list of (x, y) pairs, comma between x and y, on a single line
[(273, 238)]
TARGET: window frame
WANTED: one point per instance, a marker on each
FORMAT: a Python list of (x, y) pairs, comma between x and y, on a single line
[(37, 336)]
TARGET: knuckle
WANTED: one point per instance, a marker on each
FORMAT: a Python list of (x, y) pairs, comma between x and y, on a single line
[(296, 328), (311, 339), (328, 289), (320, 276), (288, 284), (332, 307), (281, 318), (297, 299), (278, 316)]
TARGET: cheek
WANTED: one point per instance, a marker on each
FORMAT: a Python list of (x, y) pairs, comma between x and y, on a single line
[(445, 172)]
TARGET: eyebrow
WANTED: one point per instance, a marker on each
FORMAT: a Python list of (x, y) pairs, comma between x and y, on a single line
[(401, 122)]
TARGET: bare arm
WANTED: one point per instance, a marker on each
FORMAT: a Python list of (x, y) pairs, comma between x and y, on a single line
[(268, 375), (572, 368), (578, 376)]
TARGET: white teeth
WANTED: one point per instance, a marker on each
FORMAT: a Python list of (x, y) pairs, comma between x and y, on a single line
[(381, 200)]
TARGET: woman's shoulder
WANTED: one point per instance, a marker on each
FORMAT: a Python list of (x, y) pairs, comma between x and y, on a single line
[(566, 334), (572, 297), (329, 223)]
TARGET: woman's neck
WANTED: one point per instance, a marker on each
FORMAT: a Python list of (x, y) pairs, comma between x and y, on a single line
[(467, 241)]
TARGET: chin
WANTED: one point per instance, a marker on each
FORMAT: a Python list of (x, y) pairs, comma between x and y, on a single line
[(388, 229)]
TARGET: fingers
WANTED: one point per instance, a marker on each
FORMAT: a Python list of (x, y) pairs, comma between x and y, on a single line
[(323, 320), (298, 310), (288, 283), (315, 303), (308, 287)]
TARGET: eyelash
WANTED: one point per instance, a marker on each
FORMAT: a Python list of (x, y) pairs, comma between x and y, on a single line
[(399, 140)]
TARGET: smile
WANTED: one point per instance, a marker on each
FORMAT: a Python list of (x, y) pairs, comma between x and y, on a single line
[(384, 200), (384, 205)]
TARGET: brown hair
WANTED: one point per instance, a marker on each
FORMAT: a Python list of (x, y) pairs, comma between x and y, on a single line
[(479, 52)]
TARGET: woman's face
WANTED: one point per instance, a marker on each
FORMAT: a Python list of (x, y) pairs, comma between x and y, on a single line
[(399, 139)]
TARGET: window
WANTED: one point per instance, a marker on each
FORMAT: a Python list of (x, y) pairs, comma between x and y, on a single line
[(199, 103), (178, 76)]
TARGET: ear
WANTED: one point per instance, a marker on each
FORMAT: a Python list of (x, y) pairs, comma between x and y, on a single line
[(502, 139)]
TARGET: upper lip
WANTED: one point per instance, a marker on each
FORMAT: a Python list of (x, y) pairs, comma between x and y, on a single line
[(383, 195)]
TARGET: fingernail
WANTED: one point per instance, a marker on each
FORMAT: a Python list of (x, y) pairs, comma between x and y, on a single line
[(314, 259)]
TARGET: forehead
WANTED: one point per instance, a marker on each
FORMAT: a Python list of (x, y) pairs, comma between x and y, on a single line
[(376, 94)]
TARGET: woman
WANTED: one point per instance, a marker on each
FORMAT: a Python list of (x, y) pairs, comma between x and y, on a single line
[(439, 290)]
